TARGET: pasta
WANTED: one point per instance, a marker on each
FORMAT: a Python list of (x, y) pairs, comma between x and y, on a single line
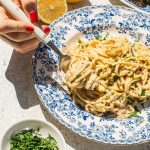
[(109, 76), (145, 1)]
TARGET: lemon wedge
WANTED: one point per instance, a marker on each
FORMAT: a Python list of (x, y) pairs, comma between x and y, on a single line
[(73, 1), (50, 10)]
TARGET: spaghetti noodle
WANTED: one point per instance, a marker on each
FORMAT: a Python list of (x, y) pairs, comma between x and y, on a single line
[(109, 76)]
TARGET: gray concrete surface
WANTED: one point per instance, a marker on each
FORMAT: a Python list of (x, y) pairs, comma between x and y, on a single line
[(18, 99)]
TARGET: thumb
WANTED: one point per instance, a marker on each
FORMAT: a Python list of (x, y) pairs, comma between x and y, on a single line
[(30, 9)]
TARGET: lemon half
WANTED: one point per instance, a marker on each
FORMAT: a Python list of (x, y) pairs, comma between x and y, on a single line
[(73, 1), (50, 10)]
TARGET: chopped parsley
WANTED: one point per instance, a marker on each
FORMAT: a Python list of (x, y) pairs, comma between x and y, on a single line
[(116, 78), (32, 140), (134, 84), (145, 100), (97, 37), (105, 37), (129, 99), (79, 41), (102, 37), (134, 114), (132, 53), (120, 97), (143, 92), (137, 109)]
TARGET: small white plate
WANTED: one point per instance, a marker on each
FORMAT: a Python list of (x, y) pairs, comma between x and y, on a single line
[(45, 129)]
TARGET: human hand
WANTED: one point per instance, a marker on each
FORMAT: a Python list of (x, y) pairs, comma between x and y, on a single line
[(17, 33)]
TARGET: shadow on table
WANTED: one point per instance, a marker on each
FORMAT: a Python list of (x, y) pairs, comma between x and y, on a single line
[(78, 5), (19, 73), (79, 143)]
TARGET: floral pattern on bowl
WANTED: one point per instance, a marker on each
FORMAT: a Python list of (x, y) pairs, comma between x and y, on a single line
[(90, 22)]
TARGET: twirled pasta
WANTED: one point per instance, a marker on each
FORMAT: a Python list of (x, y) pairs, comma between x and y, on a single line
[(110, 75)]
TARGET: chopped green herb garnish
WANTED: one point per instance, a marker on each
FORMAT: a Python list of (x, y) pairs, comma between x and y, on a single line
[(129, 99), (132, 53), (143, 92), (79, 41), (133, 60), (98, 38), (145, 100), (134, 84), (120, 97), (102, 37), (134, 114), (141, 120), (137, 109), (116, 78), (32, 140), (105, 37)]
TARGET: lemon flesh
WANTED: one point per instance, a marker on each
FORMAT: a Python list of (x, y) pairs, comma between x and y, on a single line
[(50, 10)]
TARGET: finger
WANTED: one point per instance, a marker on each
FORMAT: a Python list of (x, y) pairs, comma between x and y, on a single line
[(46, 29), (3, 15), (15, 26), (22, 47), (29, 7), (18, 3), (19, 37)]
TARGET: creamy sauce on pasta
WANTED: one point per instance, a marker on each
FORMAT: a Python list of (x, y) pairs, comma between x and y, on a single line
[(110, 75)]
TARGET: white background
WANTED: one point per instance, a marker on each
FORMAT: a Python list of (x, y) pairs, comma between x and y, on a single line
[(18, 99)]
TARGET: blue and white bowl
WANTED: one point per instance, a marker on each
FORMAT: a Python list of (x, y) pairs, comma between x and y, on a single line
[(144, 9), (90, 22)]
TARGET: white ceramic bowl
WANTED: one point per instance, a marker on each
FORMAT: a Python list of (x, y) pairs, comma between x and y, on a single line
[(45, 129)]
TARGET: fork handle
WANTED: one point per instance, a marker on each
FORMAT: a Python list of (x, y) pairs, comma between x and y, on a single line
[(15, 11)]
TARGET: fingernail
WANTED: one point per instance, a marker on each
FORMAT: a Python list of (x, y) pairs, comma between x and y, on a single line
[(33, 16), (47, 30), (29, 29)]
